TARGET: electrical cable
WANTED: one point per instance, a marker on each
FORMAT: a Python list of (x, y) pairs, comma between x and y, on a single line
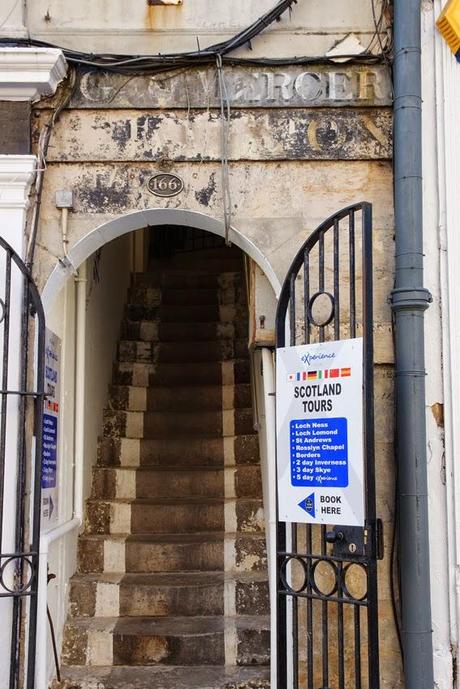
[(148, 64), (43, 144), (50, 577), (225, 114), (126, 63)]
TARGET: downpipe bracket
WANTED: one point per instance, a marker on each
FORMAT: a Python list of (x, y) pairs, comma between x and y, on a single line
[(410, 299)]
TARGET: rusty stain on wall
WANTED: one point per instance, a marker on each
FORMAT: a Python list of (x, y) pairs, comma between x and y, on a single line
[(437, 409)]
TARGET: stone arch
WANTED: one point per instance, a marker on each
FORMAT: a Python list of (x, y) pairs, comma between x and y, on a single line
[(153, 217)]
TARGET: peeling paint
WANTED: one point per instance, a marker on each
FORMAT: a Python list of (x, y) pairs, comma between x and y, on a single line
[(254, 135), (205, 194)]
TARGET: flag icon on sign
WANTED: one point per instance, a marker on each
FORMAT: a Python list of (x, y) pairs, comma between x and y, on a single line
[(291, 377)]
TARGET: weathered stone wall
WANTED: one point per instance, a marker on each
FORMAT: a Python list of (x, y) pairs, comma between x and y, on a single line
[(303, 144)]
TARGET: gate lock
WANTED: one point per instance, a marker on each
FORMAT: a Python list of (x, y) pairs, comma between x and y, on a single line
[(347, 541), (351, 541)]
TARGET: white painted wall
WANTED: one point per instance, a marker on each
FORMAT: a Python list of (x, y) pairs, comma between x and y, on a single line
[(441, 152), (121, 27), (105, 302)]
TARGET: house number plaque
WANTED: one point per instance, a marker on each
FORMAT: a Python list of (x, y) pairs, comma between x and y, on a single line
[(165, 184)]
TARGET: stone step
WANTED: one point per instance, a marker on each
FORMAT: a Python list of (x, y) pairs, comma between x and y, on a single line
[(177, 278), (155, 331), (168, 594), (131, 424), (149, 553), (204, 351), (129, 483), (165, 677), (185, 296), (173, 452), (192, 295), (173, 374), (204, 397), (169, 641), (213, 264), (192, 313), (173, 515), (188, 279), (151, 296)]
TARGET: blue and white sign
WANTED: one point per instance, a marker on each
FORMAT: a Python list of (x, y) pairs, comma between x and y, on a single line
[(50, 430), (319, 401)]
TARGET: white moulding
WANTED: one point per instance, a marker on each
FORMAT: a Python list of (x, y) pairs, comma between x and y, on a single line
[(30, 73), (16, 175)]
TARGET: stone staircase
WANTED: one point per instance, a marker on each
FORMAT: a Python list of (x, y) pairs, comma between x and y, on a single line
[(171, 590)]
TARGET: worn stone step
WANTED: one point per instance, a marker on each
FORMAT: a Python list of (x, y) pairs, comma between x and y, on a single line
[(173, 515), (215, 264), (203, 351), (192, 313), (172, 451), (196, 373), (147, 553), (127, 483), (191, 295), (176, 278), (168, 594), (155, 331), (165, 677), (205, 397), (131, 424), (184, 296), (144, 641), (169, 641), (132, 483)]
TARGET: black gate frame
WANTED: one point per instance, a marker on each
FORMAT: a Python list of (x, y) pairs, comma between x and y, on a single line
[(24, 560), (336, 545)]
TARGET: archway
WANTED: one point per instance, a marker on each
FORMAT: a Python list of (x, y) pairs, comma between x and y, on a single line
[(152, 217)]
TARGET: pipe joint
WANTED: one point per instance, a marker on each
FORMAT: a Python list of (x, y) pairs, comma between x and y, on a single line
[(410, 299)]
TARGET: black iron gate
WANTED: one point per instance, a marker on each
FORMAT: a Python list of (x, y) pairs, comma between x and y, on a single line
[(22, 342), (327, 613)]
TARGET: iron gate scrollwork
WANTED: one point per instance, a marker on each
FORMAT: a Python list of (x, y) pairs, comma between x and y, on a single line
[(22, 328), (327, 614)]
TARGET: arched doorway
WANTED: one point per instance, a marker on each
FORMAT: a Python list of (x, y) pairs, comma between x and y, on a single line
[(153, 220), (153, 217)]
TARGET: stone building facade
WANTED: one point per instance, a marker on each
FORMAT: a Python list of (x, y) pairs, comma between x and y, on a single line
[(301, 140)]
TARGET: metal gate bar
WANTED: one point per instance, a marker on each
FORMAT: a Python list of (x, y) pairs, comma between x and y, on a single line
[(334, 618), (18, 569)]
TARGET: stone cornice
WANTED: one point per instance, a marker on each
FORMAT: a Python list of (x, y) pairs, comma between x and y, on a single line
[(30, 73), (16, 175)]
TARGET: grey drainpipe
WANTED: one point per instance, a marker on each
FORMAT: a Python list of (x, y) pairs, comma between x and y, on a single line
[(409, 300)]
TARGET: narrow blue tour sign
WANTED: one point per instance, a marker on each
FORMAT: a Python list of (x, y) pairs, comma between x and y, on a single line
[(50, 431), (319, 452), (319, 419)]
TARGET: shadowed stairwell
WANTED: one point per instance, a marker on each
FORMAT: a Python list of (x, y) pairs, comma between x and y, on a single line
[(171, 590)]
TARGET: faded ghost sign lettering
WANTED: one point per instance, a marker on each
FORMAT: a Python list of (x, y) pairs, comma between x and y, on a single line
[(321, 86)]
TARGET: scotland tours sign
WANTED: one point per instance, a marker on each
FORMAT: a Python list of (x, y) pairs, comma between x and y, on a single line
[(320, 459)]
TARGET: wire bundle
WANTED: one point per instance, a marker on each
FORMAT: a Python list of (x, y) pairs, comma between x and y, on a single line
[(152, 64)]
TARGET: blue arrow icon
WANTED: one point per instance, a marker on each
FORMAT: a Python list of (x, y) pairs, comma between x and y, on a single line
[(308, 505)]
